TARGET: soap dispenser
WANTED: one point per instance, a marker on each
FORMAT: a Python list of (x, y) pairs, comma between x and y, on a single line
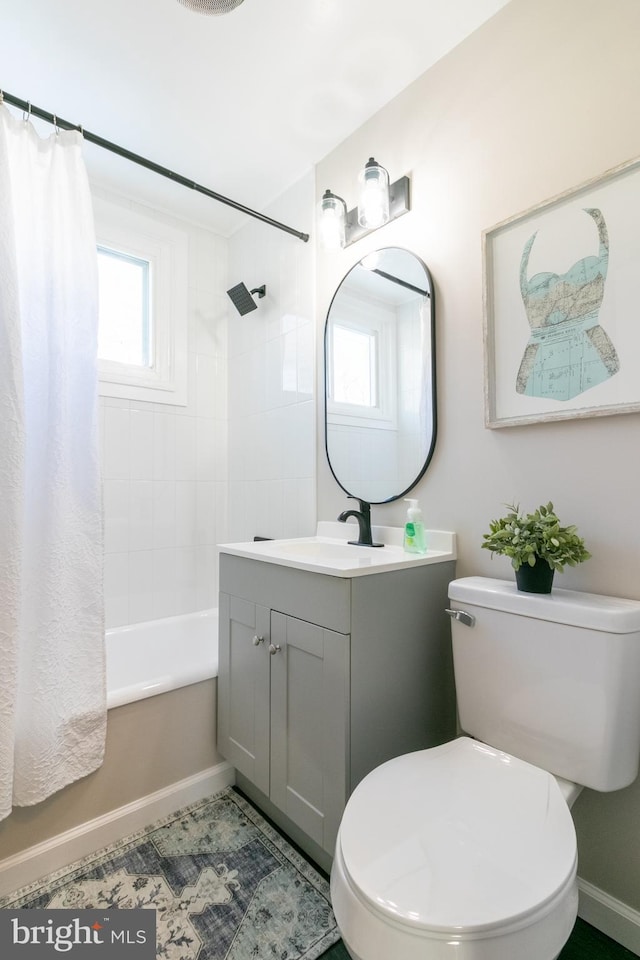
[(415, 540)]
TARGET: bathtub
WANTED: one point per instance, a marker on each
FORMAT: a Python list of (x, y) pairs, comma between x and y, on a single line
[(145, 659), (160, 755)]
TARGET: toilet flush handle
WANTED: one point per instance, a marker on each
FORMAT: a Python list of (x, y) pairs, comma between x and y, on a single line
[(467, 618)]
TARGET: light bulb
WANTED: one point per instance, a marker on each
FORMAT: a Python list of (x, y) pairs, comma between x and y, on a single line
[(332, 212), (373, 195)]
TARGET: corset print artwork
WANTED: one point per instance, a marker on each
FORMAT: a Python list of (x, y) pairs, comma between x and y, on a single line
[(568, 351)]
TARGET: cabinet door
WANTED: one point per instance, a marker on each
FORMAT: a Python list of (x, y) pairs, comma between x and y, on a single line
[(309, 725), (243, 688)]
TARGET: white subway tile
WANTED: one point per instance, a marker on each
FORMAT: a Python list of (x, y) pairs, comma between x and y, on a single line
[(205, 386), (141, 597), (206, 513), (116, 515), (221, 388), (273, 509), (254, 380), (274, 373), (164, 446), (205, 449), (206, 578), (190, 409), (304, 439), (204, 321), (116, 589), (186, 513), (306, 361), (185, 449), (239, 392), (186, 572), (141, 439), (220, 450), (164, 583), (117, 461), (221, 505), (290, 367), (101, 432), (164, 514), (141, 530)]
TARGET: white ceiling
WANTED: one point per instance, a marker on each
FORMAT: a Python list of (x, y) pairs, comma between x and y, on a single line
[(243, 103)]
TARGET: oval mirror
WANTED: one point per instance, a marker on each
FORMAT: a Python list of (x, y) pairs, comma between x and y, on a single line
[(380, 398)]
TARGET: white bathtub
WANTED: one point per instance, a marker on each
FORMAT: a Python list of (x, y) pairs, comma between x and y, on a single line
[(145, 659)]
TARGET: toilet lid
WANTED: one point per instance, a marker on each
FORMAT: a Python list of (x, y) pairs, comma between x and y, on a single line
[(461, 835)]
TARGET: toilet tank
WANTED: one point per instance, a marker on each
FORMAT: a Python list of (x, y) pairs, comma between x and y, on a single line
[(553, 679)]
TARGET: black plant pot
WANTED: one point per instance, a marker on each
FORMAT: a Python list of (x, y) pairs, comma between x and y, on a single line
[(535, 579)]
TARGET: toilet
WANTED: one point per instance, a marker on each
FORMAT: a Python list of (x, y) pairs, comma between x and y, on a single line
[(467, 850)]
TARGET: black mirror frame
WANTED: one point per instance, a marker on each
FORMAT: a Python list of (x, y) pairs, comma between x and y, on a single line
[(432, 326)]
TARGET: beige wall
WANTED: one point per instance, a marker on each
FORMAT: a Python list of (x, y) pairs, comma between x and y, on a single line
[(542, 98), (151, 744)]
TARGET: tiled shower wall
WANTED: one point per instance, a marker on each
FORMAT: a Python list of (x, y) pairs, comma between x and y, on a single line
[(239, 459), (165, 467), (272, 374)]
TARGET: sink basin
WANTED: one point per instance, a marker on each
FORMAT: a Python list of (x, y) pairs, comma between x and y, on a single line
[(318, 549), (336, 557)]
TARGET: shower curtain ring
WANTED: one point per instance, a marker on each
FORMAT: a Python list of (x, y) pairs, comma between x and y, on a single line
[(27, 116)]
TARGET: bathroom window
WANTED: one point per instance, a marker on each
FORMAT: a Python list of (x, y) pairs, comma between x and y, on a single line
[(142, 270), (124, 333)]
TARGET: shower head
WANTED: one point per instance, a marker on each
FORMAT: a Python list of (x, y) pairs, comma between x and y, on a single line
[(213, 8), (242, 299)]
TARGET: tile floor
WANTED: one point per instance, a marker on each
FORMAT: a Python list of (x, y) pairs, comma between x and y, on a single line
[(585, 943)]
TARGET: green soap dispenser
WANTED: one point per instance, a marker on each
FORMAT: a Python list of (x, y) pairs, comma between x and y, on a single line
[(415, 540)]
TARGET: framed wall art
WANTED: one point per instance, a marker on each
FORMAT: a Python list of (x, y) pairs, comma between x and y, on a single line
[(562, 305)]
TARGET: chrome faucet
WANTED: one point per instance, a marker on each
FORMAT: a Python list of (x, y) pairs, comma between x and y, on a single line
[(363, 516)]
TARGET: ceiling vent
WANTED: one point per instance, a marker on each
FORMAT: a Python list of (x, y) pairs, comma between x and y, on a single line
[(213, 8)]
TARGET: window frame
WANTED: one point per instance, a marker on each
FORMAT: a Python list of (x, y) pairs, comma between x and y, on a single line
[(143, 236)]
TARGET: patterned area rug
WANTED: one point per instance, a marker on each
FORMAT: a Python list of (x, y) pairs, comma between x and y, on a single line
[(225, 886)]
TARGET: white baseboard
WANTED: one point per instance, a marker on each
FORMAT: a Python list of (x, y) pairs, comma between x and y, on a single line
[(44, 858), (611, 916)]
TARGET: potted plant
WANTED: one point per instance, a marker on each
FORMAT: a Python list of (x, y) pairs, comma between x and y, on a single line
[(537, 544)]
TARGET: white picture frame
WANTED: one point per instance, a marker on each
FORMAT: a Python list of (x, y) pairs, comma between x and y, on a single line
[(561, 304)]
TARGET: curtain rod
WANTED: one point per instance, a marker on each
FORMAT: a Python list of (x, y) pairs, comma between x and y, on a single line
[(143, 162)]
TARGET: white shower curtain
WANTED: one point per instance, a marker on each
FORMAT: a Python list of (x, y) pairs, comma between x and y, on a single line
[(52, 669)]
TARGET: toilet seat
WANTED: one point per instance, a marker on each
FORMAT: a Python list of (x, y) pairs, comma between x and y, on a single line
[(461, 839)]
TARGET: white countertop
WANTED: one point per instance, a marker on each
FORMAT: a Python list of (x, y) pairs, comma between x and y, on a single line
[(330, 553)]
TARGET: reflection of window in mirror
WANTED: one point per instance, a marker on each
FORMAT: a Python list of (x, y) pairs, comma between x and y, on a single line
[(361, 374), (354, 377)]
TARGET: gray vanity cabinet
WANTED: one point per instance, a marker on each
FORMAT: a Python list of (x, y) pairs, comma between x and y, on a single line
[(282, 711), (309, 720), (244, 692), (321, 678)]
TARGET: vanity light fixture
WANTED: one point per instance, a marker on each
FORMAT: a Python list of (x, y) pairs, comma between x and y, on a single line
[(378, 203)]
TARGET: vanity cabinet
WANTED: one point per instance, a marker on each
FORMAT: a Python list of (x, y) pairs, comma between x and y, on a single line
[(321, 678)]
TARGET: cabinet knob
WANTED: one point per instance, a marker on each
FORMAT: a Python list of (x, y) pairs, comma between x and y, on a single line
[(274, 648), (257, 640)]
